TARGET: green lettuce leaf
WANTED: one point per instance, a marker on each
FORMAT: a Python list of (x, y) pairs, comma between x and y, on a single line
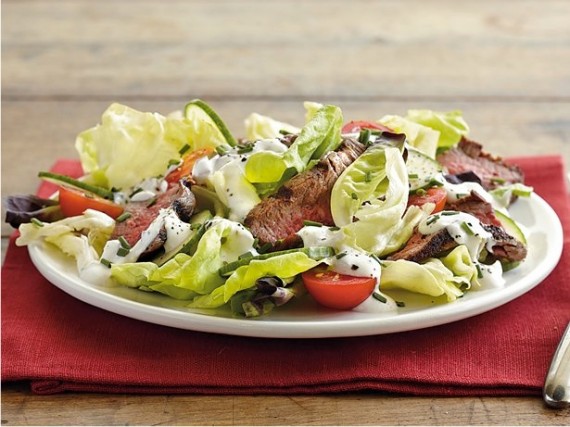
[(284, 266), (369, 199), (129, 146), (185, 276), (264, 127), (320, 135), (81, 237), (450, 125), (421, 137), (448, 276)]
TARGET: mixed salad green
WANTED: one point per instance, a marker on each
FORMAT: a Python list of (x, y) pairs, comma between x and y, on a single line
[(213, 260)]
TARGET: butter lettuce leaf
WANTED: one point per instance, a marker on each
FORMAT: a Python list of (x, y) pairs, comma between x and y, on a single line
[(259, 127), (449, 276), (420, 137), (320, 135), (284, 266), (369, 201), (451, 125), (129, 146)]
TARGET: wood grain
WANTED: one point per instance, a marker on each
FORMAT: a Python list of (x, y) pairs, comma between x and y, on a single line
[(20, 408), (252, 48), (505, 64)]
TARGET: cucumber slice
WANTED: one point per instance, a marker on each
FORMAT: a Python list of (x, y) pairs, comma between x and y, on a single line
[(316, 253), (511, 227), (76, 184), (189, 246), (201, 110), (422, 170)]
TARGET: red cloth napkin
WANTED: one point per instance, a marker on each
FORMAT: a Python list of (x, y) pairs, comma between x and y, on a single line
[(59, 343)]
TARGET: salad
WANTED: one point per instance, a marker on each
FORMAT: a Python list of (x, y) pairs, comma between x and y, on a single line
[(343, 212)]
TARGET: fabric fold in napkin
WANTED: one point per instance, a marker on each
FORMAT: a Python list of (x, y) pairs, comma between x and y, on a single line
[(61, 344)]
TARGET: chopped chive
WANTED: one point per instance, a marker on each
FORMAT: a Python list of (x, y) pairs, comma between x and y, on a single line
[(223, 240), (364, 136), (124, 242), (461, 195), (432, 220), (138, 190), (244, 149), (413, 176), (368, 176), (151, 202), (378, 260), (334, 228), (341, 255), (354, 196), (195, 226), (284, 132), (310, 223), (421, 192), (479, 271), (123, 217), (184, 149), (400, 303), (123, 251), (449, 213), (264, 248), (105, 262), (173, 162), (221, 150), (37, 222), (379, 297), (246, 255), (467, 229)]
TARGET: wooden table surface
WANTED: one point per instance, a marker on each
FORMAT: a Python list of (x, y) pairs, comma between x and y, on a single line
[(505, 64)]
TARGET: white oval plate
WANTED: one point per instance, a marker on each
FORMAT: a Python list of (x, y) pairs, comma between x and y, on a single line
[(305, 319)]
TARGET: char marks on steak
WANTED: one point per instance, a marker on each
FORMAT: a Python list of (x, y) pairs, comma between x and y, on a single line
[(178, 196), (506, 248), (475, 205), (306, 196), (468, 156)]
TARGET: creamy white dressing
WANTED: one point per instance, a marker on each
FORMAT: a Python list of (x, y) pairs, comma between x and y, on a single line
[(491, 276), (321, 236), (464, 228), (372, 305), (112, 247), (207, 166), (458, 191), (144, 191), (177, 231), (238, 240)]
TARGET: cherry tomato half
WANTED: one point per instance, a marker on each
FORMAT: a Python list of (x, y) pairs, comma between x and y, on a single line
[(74, 202), (185, 168), (436, 195), (356, 126), (335, 290)]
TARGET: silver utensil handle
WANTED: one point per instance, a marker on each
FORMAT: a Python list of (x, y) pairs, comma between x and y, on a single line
[(556, 392)]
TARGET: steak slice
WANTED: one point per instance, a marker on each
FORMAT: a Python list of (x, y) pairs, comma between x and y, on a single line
[(506, 248), (475, 205), (276, 219), (178, 196), (468, 156)]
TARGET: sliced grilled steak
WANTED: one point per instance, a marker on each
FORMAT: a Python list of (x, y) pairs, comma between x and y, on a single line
[(178, 196), (506, 249), (306, 196), (468, 156), (423, 246), (475, 205)]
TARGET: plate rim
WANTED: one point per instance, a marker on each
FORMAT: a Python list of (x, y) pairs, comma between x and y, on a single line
[(328, 328)]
